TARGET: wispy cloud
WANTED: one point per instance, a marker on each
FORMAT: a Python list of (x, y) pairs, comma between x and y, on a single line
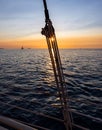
[(22, 17)]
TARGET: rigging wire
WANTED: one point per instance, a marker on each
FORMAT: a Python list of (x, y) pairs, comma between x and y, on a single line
[(33, 112), (41, 114), (73, 111)]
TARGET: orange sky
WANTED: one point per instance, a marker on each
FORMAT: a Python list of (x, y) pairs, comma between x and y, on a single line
[(77, 24), (63, 42)]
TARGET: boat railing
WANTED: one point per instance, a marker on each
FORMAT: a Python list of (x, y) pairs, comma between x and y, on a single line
[(74, 125)]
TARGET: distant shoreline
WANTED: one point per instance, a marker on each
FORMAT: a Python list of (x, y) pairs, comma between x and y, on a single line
[(47, 48)]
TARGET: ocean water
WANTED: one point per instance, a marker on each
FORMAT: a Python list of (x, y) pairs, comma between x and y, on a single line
[(27, 81)]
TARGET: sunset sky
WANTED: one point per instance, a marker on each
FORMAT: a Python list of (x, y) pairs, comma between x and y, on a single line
[(78, 23)]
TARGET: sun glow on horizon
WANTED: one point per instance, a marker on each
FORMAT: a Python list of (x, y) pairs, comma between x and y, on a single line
[(78, 24), (65, 42)]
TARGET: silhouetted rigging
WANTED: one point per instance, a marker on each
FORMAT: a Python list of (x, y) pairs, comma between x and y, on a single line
[(49, 33)]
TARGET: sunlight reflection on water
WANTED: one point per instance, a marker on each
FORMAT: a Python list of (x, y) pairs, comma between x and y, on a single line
[(28, 74)]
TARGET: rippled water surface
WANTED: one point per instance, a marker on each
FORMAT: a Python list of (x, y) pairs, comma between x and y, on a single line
[(26, 76)]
